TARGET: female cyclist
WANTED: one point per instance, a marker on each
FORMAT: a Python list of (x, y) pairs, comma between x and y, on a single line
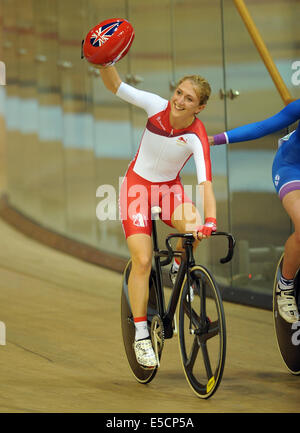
[(172, 134), (286, 179)]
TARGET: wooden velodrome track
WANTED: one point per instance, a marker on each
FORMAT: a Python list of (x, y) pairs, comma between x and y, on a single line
[(64, 351)]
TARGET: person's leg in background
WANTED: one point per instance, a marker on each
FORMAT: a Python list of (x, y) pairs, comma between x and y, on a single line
[(291, 261)]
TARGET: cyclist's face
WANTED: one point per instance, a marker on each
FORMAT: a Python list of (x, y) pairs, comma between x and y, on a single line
[(185, 102)]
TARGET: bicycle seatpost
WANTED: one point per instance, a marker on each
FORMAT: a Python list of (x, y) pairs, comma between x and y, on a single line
[(155, 212)]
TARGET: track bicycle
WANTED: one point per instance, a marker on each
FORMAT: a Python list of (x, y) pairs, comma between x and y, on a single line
[(201, 321), (287, 334)]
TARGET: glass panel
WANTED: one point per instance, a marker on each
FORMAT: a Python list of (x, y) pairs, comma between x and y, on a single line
[(12, 105), (198, 50), (3, 174), (112, 135), (28, 112), (69, 136), (257, 217), (278, 24), (79, 166), (50, 130)]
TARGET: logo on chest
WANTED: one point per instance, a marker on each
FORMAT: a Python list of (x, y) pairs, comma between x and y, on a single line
[(160, 123), (181, 141)]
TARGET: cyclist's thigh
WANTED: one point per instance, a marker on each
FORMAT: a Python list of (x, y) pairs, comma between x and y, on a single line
[(185, 217), (286, 179), (183, 213), (134, 205), (291, 203), (140, 248), (286, 176)]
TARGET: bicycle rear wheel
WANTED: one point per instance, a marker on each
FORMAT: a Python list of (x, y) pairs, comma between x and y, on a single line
[(141, 374), (202, 333), (287, 334)]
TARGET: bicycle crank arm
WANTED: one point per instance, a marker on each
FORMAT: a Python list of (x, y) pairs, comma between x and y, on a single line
[(157, 336)]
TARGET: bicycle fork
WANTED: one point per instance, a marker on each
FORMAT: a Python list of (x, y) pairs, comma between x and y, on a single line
[(190, 262)]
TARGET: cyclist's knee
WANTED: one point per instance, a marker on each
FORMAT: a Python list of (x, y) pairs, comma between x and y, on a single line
[(142, 262), (140, 248), (296, 235), (186, 218)]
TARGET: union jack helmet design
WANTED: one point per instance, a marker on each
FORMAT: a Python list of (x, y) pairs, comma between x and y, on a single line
[(103, 33), (108, 42)]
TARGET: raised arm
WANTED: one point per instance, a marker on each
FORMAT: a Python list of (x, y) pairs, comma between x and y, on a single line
[(110, 78), (150, 102)]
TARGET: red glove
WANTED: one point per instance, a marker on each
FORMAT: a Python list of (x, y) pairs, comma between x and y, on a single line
[(210, 225)]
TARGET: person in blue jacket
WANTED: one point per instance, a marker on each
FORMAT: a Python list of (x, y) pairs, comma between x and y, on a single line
[(286, 179)]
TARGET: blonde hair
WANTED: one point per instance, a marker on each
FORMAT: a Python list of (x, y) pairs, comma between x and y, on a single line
[(201, 85)]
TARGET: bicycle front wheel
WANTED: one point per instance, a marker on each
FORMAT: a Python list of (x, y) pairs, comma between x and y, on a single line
[(202, 332)]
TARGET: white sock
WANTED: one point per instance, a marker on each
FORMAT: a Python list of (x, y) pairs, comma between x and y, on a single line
[(285, 284), (141, 329)]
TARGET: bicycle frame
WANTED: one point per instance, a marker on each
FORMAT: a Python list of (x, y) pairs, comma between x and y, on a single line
[(187, 262)]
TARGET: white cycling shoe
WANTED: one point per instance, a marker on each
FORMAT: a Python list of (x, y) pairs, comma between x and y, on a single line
[(144, 353), (287, 306)]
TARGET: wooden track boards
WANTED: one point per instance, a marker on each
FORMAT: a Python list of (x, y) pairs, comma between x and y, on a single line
[(64, 351)]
